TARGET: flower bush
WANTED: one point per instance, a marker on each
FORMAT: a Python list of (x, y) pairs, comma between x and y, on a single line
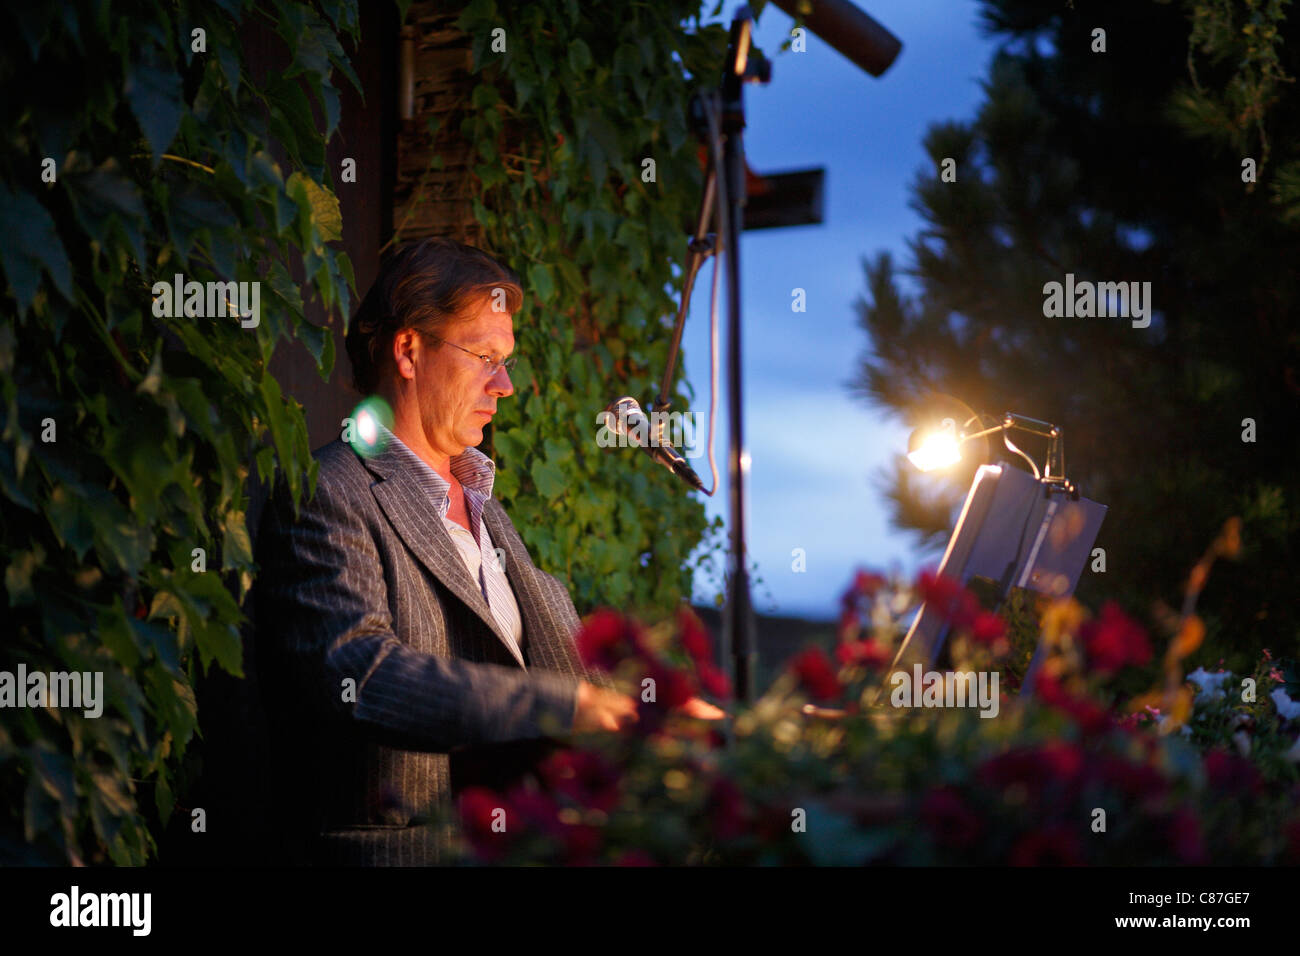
[(823, 769)]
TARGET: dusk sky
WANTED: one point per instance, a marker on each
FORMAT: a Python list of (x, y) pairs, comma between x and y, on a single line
[(816, 452)]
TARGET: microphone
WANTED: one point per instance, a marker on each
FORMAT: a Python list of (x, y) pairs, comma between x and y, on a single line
[(849, 30), (624, 417)]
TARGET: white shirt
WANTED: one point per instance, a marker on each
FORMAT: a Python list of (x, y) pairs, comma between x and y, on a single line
[(476, 472)]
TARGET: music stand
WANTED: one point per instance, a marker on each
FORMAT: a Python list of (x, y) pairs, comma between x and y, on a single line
[(1018, 531)]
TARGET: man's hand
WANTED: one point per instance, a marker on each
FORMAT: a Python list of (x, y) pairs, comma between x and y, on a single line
[(601, 709), (702, 709)]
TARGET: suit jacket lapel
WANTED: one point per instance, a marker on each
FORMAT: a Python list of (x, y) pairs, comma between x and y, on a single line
[(403, 500), (515, 573)]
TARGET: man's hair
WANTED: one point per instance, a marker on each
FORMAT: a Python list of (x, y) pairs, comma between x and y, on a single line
[(425, 285)]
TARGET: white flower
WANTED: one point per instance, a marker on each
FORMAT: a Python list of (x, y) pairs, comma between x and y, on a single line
[(1287, 707), (1208, 686)]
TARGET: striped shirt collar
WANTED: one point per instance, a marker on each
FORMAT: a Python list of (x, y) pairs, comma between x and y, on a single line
[(474, 470)]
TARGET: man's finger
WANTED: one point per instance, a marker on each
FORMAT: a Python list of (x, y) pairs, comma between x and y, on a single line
[(703, 710)]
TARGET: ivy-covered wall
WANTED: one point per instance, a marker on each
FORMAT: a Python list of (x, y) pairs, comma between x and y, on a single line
[(139, 146), (584, 177)]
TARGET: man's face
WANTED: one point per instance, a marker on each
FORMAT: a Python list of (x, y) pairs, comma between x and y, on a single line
[(457, 394)]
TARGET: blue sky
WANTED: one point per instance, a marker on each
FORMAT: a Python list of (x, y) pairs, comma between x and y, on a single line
[(815, 451)]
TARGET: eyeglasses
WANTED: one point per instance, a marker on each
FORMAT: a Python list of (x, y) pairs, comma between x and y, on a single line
[(488, 363)]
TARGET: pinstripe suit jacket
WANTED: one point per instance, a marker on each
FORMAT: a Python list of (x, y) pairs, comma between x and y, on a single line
[(367, 586)]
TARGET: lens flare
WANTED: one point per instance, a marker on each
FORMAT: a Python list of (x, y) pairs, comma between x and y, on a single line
[(363, 431)]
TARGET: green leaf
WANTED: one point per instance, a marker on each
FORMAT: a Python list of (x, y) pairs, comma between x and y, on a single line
[(71, 524), (579, 56), (539, 277), (323, 206), (117, 636), (31, 244), (18, 575), (153, 89), (315, 337), (550, 480), (237, 549)]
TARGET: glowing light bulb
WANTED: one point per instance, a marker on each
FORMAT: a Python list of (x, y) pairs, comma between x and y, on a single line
[(934, 449)]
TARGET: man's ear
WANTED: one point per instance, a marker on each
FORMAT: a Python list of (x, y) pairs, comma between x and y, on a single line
[(404, 343)]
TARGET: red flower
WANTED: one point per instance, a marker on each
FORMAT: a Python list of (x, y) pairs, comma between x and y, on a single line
[(1090, 717), (1128, 722), (815, 673), (1063, 760), (1137, 780), (1185, 837), (673, 686), (848, 626), (635, 858), (988, 628), (606, 638), (1114, 640), (534, 811), (949, 599), (1052, 846), (483, 814), (695, 637), (585, 777), (713, 680), (726, 809), (1033, 767), (867, 584), (868, 653), (1291, 855), (1230, 773), (948, 817), (581, 843)]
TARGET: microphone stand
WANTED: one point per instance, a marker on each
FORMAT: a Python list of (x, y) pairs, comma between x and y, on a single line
[(728, 101)]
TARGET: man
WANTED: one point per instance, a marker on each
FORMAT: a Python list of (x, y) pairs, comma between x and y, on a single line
[(399, 660)]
